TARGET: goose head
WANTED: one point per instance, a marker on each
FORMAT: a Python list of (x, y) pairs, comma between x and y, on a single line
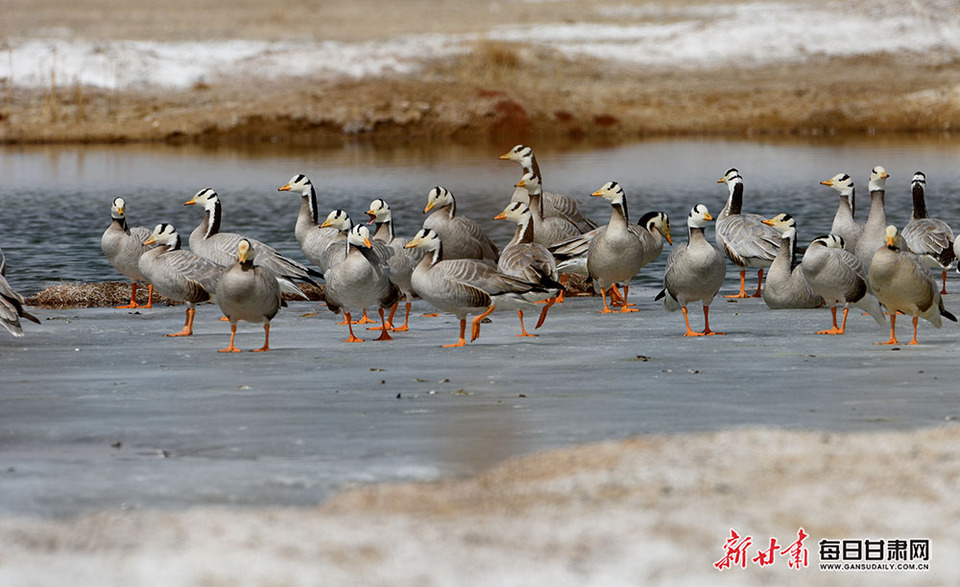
[(438, 197), (878, 178), (831, 241), (520, 154), (117, 209), (699, 216), (782, 222), (379, 211), (163, 234), (299, 183), (245, 252), (919, 180), (657, 221), (892, 238), (337, 219), (516, 212), (842, 182), (205, 197), (426, 239), (531, 182), (611, 192), (360, 236), (731, 177)]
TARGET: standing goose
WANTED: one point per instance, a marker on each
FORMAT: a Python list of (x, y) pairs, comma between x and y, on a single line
[(340, 223), (312, 238), (248, 292), (463, 238), (873, 236), (553, 204), (548, 230), (122, 245), (11, 303), (845, 224), (615, 255), (467, 286), (902, 284), (694, 272), (786, 286), (527, 259), (838, 277), (930, 238), (743, 237), (403, 260), (360, 280), (180, 275), (207, 241)]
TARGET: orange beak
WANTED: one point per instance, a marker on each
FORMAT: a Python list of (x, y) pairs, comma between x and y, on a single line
[(827, 182), (284, 188), (500, 216)]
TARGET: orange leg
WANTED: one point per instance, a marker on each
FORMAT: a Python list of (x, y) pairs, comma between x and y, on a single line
[(615, 299), (743, 284), (606, 309), (149, 296), (133, 298), (385, 335), (563, 282), (626, 307), (943, 290), (462, 341), (403, 327), (475, 325), (686, 320), (389, 322), (266, 339), (231, 348), (835, 329), (706, 324), (364, 319), (893, 330), (546, 308), (914, 341), (346, 319), (759, 283), (523, 331), (187, 326)]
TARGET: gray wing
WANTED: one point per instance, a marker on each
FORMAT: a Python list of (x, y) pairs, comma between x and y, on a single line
[(202, 274), (11, 304), (745, 238), (931, 237), (567, 208)]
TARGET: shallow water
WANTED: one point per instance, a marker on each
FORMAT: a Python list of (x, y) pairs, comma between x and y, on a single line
[(56, 199), (131, 419)]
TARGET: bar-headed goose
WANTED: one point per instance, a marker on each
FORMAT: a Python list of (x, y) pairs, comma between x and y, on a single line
[(122, 245), (838, 277), (403, 260), (467, 286), (207, 241), (11, 303), (527, 259), (360, 280), (873, 236), (694, 272), (548, 230), (249, 292), (902, 284), (615, 254), (845, 224), (553, 204), (786, 286), (180, 275), (744, 238), (462, 237), (930, 238), (313, 239)]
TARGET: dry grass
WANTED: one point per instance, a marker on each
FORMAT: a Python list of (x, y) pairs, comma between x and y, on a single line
[(117, 293)]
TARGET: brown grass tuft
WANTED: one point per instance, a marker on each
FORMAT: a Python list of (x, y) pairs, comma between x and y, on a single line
[(117, 293)]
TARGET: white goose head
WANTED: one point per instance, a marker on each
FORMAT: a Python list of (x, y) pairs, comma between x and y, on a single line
[(165, 235), (299, 183), (831, 241), (438, 197), (878, 179), (732, 177), (782, 222), (338, 219), (699, 216), (359, 236), (205, 197), (611, 192), (426, 239), (892, 238), (531, 182), (245, 252), (521, 154), (657, 221), (117, 209), (379, 211), (842, 182), (517, 212)]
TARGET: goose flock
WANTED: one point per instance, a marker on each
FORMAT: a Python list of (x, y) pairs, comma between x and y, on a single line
[(452, 264)]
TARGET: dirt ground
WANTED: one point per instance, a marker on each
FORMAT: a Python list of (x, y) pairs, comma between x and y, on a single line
[(500, 91)]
